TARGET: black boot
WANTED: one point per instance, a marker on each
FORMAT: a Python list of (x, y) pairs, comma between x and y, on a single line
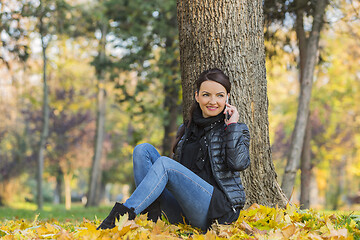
[(153, 211), (118, 210)]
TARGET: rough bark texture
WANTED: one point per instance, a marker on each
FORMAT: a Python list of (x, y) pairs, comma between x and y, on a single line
[(304, 100), (229, 35), (95, 177)]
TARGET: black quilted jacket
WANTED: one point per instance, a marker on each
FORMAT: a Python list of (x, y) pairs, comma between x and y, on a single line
[(228, 149)]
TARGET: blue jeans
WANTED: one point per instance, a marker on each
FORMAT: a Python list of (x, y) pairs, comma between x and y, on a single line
[(180, 191)]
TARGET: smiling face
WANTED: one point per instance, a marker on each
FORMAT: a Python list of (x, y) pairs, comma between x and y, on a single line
[(211, 98)]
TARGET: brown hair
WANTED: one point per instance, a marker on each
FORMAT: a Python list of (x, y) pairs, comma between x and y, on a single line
[(213, 74)]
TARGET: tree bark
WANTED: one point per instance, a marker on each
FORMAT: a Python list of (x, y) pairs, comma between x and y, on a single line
[(95, 176), (304, 100), (229, 35), (46, 114), (306, 169)]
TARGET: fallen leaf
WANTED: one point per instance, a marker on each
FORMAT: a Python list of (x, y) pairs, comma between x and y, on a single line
[(288, 231)]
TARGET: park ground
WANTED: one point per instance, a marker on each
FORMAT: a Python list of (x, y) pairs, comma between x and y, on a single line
[(24, 221)]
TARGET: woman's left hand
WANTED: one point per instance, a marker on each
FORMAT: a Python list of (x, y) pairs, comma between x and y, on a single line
[(233, 112)]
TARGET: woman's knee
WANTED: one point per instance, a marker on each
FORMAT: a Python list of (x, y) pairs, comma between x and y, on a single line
[(142, 148), (166, 162)]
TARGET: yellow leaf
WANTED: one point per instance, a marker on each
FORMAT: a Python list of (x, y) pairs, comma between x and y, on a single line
[(246, 227), (336, 233), (288, 231), (254, 206), (124, 225), (122, 220), (314, 236)]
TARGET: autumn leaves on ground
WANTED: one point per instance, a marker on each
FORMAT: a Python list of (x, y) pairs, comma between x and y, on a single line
[(257, 222)]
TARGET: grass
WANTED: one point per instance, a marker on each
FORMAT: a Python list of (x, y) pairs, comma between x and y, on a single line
[(29, 211), (341, 212)]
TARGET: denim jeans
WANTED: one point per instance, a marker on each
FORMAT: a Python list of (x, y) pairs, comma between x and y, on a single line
[(180, 191)]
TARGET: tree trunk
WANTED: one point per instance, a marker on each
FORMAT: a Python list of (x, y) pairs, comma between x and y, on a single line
[(340, 182), (304, 100), (58, 187), (170, 126), (306, 169), (67, 183), (230, 36), (45, 129), (306, 166), (171, 90), (95, 177)]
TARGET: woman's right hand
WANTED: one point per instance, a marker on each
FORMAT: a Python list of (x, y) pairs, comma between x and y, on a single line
[(233, 112)]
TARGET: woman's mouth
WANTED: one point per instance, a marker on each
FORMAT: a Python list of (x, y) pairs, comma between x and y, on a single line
[(212, 108)]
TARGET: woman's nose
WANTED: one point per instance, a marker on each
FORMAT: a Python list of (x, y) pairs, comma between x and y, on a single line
[(212, 100)]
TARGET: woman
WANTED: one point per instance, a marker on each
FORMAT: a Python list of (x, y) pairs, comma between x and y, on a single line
[(202, 182)]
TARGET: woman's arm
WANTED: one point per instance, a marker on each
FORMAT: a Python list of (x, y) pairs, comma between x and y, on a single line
[(237, 139)]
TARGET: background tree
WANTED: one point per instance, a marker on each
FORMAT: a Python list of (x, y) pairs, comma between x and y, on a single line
[(100, 63), (14, 53), (308, 59), (151, 36), (283, 55), (230, 36)]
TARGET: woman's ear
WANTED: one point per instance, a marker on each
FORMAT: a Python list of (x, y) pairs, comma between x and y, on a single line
[(196, 96)]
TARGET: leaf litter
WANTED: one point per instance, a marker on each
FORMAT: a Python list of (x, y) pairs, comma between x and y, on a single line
[(257, 222)]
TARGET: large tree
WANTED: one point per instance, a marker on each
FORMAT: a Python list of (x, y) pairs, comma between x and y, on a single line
[(229, 35)]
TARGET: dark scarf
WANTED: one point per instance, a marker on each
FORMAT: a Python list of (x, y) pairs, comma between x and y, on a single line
[(195, 154), (204, 123), (200, 125)]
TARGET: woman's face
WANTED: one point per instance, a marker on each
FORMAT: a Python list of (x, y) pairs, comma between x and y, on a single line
[(211, 98)]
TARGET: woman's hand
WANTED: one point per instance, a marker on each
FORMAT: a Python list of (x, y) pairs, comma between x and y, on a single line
[(233, 112)]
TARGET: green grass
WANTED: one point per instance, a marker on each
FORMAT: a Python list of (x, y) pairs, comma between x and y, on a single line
[(341, 212), (29, 211)]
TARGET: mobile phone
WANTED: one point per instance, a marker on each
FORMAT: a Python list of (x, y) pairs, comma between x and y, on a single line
[(227, 114)]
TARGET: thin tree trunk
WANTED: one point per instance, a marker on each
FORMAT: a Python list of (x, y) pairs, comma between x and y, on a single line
[(46, 114), (67, 183), (306, 169), (2, 193), (171, 91), (58, 187), (340, 182), (304, 100), (229, 35), (170, 126), (95, 176)]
